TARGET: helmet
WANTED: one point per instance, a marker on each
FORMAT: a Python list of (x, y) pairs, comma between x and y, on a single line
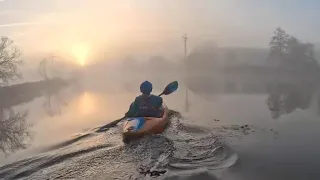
[(146, 87)]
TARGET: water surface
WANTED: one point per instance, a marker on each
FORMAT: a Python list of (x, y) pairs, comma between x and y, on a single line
[(226, 136)]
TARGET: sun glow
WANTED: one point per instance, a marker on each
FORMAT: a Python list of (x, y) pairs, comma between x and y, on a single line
[(80, 52)]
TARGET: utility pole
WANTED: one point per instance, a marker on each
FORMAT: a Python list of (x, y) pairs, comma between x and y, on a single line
[(185, 38)]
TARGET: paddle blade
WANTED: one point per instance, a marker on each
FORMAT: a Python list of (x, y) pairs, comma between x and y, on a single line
[(170, 88)]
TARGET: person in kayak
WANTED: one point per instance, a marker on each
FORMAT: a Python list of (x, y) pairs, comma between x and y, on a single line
[(146, 104)]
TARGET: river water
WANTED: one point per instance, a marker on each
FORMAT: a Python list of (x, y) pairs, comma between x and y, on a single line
[(223, 136)]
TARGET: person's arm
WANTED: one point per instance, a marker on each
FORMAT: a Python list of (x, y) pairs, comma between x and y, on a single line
[(157, 101), (165, 113), (132, 110)]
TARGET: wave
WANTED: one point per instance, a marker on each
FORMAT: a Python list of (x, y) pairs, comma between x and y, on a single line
[(181, 152)]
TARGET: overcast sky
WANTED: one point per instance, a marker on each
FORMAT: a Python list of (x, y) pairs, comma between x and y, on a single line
[(133, 25)]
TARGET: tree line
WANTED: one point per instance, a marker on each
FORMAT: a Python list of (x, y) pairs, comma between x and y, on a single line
[(285, 53), (289, 53)]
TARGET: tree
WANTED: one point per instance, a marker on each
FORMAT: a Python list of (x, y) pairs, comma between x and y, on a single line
[(9, 61), (279, 41), (287, 52), (42, 69), (300, 54), (277, 45)]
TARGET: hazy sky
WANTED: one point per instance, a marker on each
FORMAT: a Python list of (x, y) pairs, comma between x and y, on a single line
[(118, 26)]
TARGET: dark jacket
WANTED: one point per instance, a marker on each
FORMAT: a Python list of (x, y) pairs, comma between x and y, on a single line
[(146, 106)]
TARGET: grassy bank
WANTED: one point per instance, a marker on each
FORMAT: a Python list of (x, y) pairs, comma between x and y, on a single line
[(21, 93)]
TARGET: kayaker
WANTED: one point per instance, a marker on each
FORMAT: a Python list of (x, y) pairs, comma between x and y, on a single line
[(146, 104)]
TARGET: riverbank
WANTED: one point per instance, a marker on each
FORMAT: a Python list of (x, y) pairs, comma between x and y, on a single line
[(21, 93)]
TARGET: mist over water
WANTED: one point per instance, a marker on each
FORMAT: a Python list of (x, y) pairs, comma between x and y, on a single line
[(251, 89), (225, 135), (244, 123)]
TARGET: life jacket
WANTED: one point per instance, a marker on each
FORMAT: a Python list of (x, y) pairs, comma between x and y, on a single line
[(147, 106)]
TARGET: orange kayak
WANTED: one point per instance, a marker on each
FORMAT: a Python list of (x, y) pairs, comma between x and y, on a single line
[(138, 126)]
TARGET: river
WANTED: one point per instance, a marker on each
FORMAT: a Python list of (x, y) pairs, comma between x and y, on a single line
[(224, 136)]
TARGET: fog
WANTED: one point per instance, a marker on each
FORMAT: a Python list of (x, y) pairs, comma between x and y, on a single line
[(247, 67), (114, 32)]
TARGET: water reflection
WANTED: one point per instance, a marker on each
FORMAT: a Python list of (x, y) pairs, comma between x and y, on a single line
[(13, 130), (87, 104), (15, 124), (286, 98), (53, 102)]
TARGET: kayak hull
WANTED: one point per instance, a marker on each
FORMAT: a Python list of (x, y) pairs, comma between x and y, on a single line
[(138, 126)]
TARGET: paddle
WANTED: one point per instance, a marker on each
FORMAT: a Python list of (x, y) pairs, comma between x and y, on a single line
[(170, 88)]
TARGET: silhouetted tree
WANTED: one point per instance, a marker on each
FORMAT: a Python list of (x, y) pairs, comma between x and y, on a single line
[(42, 69), (9, 61), (279, 41), (301, 55), (287, 52)]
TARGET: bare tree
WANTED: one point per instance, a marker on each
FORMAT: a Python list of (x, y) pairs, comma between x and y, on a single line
[(42, 69), (279, 40), (13, 130), (9, 61)]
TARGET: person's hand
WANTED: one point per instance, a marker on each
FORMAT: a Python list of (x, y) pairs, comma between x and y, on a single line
[(130, 128)]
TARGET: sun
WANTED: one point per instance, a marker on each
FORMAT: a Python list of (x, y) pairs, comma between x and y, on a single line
[(80, 52)]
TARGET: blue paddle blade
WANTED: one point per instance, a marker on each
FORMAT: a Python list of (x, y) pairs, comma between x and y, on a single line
[(170, 88)]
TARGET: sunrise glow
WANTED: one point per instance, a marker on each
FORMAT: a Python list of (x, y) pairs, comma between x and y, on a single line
[(80, 53)]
